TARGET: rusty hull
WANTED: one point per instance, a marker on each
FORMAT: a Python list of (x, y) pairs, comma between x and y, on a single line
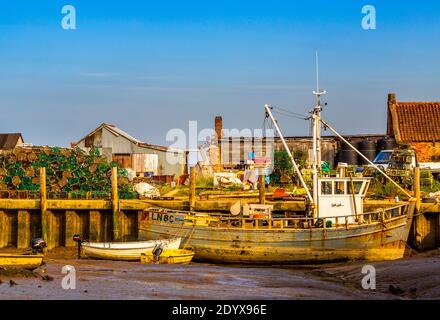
[(376, 241)]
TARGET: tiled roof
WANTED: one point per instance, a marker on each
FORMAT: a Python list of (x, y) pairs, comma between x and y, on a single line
[(415, 121), (9, 140)]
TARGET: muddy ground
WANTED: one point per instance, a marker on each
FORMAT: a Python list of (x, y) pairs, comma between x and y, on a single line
[(416, 277)]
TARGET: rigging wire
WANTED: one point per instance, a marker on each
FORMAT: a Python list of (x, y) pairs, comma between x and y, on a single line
[(290, 112), (301, 117)]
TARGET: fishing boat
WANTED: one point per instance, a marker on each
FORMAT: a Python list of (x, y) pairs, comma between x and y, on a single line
[(126, 251), (20, 261), (169, 256), (333, 228)]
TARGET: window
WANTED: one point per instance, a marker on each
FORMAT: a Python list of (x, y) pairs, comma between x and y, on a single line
[(124, 160), (383, 157), (326, 187), (357, 187), (340, 187), (88, 142)]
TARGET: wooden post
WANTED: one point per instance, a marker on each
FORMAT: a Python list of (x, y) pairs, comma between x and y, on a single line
[(417, 187), (24, 230), (418, 221), (52, 229), (72, 227), (43, 205), (94, 225), (139, 216), (261, 188), (4, 229), (115, 204), (192, 189)]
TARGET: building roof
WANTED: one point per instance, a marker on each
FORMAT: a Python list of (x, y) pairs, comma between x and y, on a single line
[(413, 121), (119, 132), (9, 140)]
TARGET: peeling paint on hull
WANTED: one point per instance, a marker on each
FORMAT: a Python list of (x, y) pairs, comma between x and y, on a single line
[(375, 241)]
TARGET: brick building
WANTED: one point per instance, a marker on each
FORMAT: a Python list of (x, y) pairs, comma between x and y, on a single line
[(416, 124)]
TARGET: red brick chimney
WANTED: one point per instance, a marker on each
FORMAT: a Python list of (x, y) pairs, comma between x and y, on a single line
[(391, 103)]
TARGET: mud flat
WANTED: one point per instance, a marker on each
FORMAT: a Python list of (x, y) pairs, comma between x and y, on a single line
[(416, 277)]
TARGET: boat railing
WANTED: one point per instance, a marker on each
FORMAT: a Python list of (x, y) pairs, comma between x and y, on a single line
[(381, 215), (377, 216)]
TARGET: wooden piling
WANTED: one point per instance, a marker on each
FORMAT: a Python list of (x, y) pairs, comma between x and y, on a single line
[(417, 188), (43, 204), (72, 227), (418, 216), (115, 204), (4, 229), (94, 226), (192, 189), (51, 229), (261, 188), (24, 229)]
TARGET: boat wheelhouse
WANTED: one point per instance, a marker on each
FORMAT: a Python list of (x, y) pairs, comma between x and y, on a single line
[(341, 197)]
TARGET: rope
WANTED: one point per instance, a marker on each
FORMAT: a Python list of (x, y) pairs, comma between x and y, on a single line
[(190, 236), (291, 112), (301, 117)]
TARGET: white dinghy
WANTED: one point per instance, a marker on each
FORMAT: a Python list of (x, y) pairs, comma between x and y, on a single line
[(126, 251)]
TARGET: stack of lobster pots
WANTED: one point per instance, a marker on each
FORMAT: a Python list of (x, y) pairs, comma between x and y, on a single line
[(71, 173)]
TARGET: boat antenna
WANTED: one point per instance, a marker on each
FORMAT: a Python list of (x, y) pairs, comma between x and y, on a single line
[(318, 93), (316, 125)]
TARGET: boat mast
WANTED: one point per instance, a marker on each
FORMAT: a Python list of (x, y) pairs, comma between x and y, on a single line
[(269, 113), (316, 121)]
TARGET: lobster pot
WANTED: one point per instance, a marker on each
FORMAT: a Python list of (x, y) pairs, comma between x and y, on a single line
[(368, 149), (348, 155), (70, 172)]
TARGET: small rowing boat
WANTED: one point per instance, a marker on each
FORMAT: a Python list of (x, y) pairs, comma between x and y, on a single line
[(126, 251), (169, 256), (20, 261)]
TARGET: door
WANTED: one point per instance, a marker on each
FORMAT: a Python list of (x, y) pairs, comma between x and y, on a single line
[(124, 160)]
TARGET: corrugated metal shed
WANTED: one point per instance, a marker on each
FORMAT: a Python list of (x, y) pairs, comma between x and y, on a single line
[(10, 140), (118, 145)]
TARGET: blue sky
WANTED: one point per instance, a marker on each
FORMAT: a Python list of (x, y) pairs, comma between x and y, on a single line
[(149, 66)]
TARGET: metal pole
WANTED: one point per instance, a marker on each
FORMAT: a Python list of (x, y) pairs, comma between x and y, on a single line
[(267, 107), (316, 159), (365, 158)]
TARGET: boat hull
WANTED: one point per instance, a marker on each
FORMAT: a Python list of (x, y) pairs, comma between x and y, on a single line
[(126, 251), (18, 261), (374, 241), (169, 256)]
